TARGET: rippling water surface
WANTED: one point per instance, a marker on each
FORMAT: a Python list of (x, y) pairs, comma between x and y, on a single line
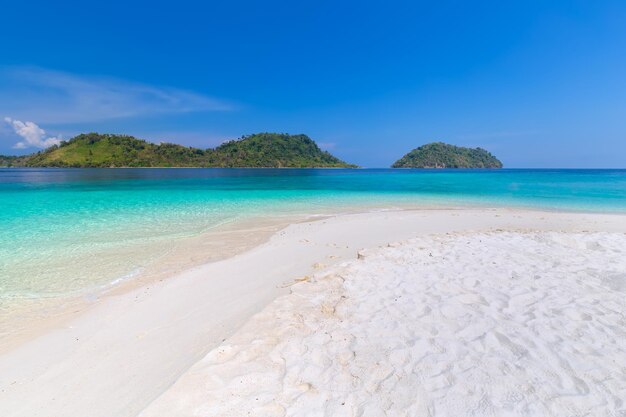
[(65, 230)]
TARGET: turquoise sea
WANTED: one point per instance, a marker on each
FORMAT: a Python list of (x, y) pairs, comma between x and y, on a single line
[(66, 230)]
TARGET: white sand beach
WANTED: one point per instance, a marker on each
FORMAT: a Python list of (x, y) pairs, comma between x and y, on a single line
[(400, 313)]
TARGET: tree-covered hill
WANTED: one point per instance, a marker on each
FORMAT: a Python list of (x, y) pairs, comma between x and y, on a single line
[(105, 150), (443, 155), (273, 150), (12, 161)]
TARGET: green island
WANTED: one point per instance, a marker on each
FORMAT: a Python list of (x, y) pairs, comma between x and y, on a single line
[(12, 161), (443, 155), (262, 150)]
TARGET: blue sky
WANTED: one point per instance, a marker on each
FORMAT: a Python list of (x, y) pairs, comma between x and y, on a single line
[(539, 83)]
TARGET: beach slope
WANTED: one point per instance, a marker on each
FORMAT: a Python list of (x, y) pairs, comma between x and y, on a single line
[(121, 355), (464, 324)]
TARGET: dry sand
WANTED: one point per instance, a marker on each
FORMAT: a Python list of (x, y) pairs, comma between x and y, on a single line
[(488, 324), (138, 349)]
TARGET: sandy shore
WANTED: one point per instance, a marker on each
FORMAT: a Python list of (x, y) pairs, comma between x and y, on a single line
[(177, 346)]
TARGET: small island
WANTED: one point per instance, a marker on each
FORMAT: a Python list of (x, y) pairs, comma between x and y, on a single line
[(443, 155), (261, 150), (11, 161)]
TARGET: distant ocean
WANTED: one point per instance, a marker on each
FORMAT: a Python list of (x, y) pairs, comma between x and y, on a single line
[(63, 231)]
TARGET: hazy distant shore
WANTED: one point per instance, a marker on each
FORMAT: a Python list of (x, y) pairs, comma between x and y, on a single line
[(127, 350)]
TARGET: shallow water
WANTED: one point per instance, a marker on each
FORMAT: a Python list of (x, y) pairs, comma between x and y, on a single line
[(66, 230)]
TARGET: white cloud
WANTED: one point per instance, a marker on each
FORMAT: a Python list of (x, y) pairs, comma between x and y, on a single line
[(59, 97), (32, 135), (327, 146)]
